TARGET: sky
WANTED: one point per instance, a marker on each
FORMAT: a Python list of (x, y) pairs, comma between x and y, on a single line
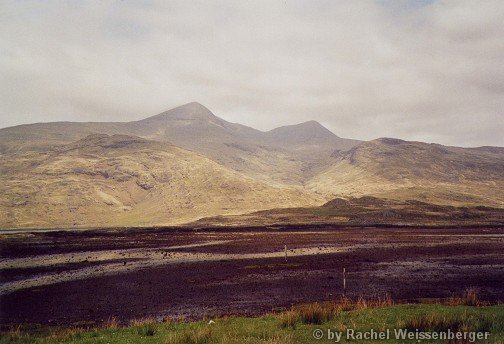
[(429, 71)]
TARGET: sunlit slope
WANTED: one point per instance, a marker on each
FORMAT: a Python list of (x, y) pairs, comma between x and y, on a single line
[(399, 169), (122, 180)]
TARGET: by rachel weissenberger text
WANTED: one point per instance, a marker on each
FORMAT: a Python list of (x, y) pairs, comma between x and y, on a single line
[(398, 334)]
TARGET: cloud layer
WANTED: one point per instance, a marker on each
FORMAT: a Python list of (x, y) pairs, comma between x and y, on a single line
[(429, 71)]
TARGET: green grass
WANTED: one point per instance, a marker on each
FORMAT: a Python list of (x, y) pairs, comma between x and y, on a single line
[(293, 326)]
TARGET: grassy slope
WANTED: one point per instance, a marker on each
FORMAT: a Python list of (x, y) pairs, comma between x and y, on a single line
[(122, 181), (432, 173), (269, 328), (366, 210), (54, 175)]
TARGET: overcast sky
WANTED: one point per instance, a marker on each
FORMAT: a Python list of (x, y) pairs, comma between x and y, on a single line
[(418, 70)]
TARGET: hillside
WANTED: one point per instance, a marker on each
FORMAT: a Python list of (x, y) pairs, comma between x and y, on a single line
[(398, 169), (186, 163), (267, 156), (365, 210), (125, 181)]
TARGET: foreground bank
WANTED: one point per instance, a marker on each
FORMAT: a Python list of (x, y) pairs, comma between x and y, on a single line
[(343, 321)]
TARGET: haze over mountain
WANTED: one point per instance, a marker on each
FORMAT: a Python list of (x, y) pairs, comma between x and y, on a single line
[(286, 154), (187, 163)]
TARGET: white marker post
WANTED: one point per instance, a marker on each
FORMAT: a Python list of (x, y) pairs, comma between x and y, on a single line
[(344, 278)]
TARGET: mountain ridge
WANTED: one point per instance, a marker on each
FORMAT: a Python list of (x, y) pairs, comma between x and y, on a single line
[(189, 111), (186, 163), (194, 127), (200, 111)]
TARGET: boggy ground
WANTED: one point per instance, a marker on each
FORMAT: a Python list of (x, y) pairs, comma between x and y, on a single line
[(68, 277)]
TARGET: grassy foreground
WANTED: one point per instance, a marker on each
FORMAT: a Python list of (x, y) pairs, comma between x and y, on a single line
[(294, 326)]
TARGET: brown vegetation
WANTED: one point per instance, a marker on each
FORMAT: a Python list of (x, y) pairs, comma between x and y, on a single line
[(469, 298), (320, 312), (127, 174)]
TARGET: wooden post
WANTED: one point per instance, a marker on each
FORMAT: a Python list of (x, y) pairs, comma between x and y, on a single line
[(285, 249), (344, 278)]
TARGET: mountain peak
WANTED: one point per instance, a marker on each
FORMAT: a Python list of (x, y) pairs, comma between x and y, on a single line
[(189, 111), (310, 123), (194, 107), (310, 129), (313, 125)]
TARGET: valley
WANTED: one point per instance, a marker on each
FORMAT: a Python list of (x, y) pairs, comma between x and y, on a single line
[(183, 215), (60, 278)]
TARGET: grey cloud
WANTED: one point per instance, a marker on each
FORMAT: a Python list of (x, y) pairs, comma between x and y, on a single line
[(415, 70)]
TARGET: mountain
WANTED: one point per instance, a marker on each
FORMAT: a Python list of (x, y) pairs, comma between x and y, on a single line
[(269, 156), (186, 163), (306, 135), (309, 142), (398, 169), (122, 180)]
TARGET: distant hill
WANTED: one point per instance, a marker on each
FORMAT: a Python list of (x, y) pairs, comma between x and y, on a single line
[(398, 169), (187, 163), (287, 154), (363, 211)]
